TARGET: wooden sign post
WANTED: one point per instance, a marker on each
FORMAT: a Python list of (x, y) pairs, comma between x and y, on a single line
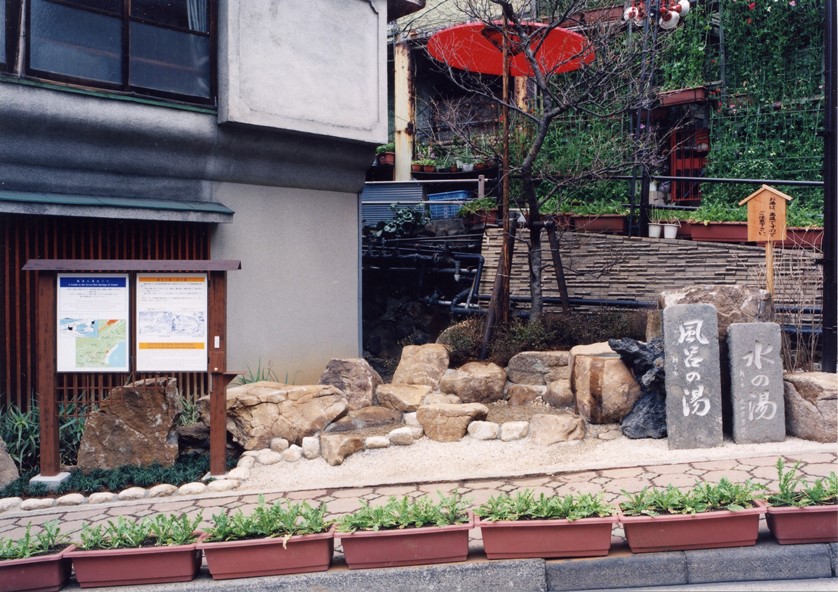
[(767, 224)]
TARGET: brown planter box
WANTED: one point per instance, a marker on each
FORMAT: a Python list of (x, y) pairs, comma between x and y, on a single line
[(408, 546), (802, 238), (269, 557), (720, 232), (131, 567), (587, 537), (682, 532), (795, 526), (683, 96), (46, 573), (602, 223)]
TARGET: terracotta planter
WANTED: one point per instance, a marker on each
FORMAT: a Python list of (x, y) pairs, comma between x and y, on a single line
[(429, 168), (269, 557), (409, 546), (795, 526), (683, 96), (46, 573), (803, 238), (720, 232), (131, 567), (681, 532), (387, 158), (415, 168), (588, 537), (602, 223)]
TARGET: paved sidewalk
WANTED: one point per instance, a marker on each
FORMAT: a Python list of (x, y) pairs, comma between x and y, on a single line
[(767, 558)]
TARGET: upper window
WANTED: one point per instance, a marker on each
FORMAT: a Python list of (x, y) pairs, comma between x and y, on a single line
[(154, 47)]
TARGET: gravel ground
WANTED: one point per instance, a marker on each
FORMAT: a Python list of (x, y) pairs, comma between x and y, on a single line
[(430, 461)]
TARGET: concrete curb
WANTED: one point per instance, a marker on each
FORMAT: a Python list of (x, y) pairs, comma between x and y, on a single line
[(619, 570)]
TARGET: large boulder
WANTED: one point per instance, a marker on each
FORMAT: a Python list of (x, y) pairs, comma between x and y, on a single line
[(355, 378), (538, 367), (449, 423), (135, 425), (812, 405), (422, 364), (402, 397), (261, 411), (475, 382), (604, 388), (559, 395), (734, 304), (546, 429), (367, 417), (8, 468)]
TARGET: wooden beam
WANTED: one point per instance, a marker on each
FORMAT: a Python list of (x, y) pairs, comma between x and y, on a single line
[(171, 265), (403, 109), (45, 340)]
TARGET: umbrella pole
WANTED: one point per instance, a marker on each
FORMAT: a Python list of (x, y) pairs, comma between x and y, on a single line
[(499, 305)]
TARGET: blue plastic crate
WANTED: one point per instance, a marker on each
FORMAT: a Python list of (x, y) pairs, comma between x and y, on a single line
[(447, 210)]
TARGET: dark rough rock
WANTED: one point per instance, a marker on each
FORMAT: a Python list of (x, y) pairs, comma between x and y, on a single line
[(647, 419)]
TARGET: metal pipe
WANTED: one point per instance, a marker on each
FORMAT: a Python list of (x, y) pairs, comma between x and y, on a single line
[(829, 343)]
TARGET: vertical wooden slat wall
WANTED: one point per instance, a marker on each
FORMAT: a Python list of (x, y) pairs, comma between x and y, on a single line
[(50, 237)]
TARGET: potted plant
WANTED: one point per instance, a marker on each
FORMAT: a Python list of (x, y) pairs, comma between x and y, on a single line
[(718, 222), (803, 512), (523, 526), (482, 210), (406, 531), (281, 538), (665, 222), (707, 517), (35, 562), (386, 153), (128, 552), (428, 165), (604, 216)]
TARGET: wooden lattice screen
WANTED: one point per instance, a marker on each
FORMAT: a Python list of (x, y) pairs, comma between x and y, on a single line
[(50, 237)]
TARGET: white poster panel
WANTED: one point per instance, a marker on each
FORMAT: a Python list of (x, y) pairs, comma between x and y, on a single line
[(93, 314), (171, 322)]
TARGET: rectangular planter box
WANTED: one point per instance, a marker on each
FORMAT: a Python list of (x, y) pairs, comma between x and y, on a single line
[(131, 567), (802, 238), (720, 232), (603, 223), (588, 537), (47, 573), (269, 557), (795, 526), (408, 546), (682, 532)]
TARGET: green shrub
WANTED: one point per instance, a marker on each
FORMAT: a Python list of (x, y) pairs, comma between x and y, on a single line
[(519, 335), (47, 541), (463, 341), (406, 513), (281, 519), (704, 497), (525, 506), (794, 491), (21, 432), (162, 530)]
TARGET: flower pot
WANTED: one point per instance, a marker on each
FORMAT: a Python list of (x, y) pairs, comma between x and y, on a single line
[(416, 168), (408, 546), (803, 238), (681, 532), (45, 573), (683, 96), (429, 168), (269, 557), (654, 230), (811, 524), (587, 537), (602, 223), (387, 158), (670, 230), (131, 567), (720, 232)]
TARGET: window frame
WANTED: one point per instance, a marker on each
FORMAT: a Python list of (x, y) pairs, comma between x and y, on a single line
[(125, 88), (12, 10)]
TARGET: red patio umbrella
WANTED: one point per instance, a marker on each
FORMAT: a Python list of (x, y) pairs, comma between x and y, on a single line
[(478, 47)]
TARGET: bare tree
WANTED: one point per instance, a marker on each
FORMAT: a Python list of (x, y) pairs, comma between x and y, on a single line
[(607, 78)]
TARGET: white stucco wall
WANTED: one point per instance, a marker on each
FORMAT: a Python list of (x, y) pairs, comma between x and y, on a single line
[(295, 302), (313, 66)]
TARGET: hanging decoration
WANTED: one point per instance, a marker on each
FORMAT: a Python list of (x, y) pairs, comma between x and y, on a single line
[(669, 13)]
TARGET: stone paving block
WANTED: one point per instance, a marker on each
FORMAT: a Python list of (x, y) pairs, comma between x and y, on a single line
[(732, 475), (621, 570), (818, 470), (355, 492), (833, 552), (396, 490), (577, 488), (765, 561), (305, 495)]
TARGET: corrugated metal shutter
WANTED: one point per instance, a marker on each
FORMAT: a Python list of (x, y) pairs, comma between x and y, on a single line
[(377, 198)]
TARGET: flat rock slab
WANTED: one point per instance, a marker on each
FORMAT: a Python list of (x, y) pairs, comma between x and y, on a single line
[(449, 423), (693, 376)]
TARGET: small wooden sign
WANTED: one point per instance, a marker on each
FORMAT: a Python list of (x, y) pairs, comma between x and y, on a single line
[(766, 215)]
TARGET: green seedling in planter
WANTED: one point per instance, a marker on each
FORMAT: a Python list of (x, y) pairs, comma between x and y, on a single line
[(525, 506), (704, 497), (390, 147), (277, 520), (481, 205), (794, 491), (407, 513), (160, 531), (48, 540)]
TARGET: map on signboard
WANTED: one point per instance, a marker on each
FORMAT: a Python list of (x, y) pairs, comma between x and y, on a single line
[(169, 324), (100, 343)]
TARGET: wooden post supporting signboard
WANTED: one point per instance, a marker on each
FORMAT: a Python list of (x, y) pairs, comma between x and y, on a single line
[(767, 224)]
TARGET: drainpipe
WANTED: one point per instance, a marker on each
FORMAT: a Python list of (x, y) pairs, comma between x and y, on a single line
[(829, 341)]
